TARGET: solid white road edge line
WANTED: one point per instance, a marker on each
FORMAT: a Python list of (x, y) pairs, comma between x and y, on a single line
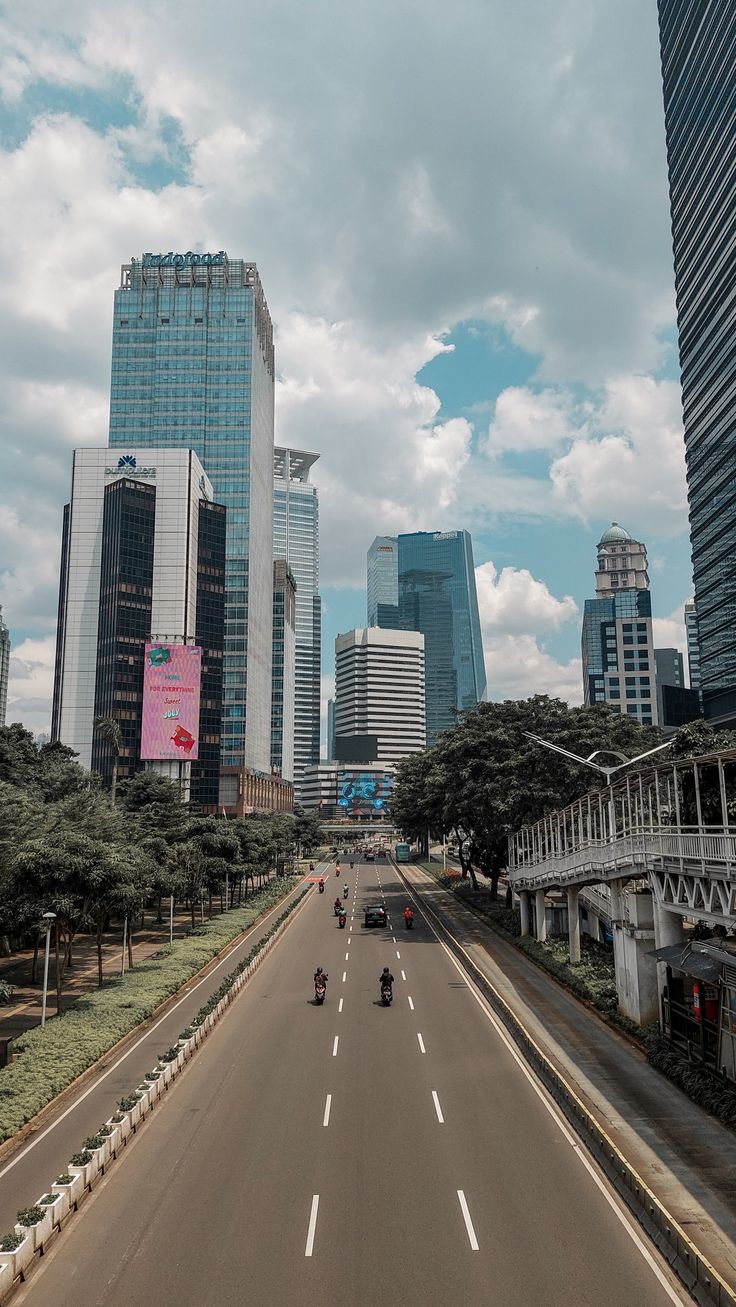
[(328, 1105), (421, 1043), (312, 1225), (437, 1107), (334, 1046), (621, 1213), (137, 1044), (467, 1220)]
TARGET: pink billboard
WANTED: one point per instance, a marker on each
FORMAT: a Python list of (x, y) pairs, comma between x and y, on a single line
[(170, 726)]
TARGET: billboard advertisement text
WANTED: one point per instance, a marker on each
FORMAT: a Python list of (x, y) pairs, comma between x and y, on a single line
[(170, 726)]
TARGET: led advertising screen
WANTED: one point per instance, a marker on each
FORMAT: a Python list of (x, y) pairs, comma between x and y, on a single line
[(364, 792), (170, 726)]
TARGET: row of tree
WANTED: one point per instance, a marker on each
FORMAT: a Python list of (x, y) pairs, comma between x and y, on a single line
[(65, 848), (485, 779)]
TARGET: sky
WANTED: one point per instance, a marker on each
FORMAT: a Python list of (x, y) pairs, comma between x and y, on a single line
[(460, 217)]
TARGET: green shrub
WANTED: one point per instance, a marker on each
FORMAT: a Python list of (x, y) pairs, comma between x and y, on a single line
[(94, 1141), (30, 1216), (11, 1242), (105, 1131), (117, 1117), (6, 991), (80, 1159), (128, 1103), (64, 1179), (170, 1055), (48, 1199), (704, 1087), (49, 1059), (592, 978)]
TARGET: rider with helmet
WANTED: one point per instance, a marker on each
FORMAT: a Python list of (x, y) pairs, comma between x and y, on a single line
[(386, 978)]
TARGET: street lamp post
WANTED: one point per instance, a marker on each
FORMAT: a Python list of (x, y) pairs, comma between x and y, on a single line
[(597, 766), (49, 918)]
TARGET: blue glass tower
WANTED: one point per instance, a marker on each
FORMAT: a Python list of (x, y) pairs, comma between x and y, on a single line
[(698, 47), (437, 596), (193, 365)]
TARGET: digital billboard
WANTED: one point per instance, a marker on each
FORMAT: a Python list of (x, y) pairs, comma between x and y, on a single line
[(361, 793), (170, 725)]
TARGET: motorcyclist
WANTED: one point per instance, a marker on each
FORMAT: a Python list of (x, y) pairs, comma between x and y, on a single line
[(320, 978), (321, 884), (337, 868), (408, 914), (386, 978), (345, 890), (337, 904)]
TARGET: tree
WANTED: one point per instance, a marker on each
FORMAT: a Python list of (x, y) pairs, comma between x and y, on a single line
[(485, 779), (308, 832), (109, 731)]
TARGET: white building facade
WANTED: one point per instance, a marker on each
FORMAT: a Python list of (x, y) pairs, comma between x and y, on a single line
[(136, 567), (379, 690)]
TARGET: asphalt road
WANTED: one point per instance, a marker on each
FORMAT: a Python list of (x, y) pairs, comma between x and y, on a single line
[(353, 1154)]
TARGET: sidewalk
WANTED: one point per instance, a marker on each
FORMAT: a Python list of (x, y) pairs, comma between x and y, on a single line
[(23, 1011), (686, 1157)]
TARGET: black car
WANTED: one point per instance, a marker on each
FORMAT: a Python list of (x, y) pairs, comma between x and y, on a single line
[(375, 915)]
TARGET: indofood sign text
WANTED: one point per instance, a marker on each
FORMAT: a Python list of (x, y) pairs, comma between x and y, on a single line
[(188, 260)]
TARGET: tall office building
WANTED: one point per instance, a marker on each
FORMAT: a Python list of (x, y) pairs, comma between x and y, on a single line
[(284, 664), (193, 367), (437, 596), (676, 704), (693, 652), (330, 729), (142, 561), (383, 582), (617, 647), (380, 713), (698, 47), (4, 668), (296, 538)]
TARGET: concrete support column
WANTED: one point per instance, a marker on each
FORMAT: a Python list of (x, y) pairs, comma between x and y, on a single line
[(573, 923), (617, 900), (668, 927), (541, 915), (526, 916)]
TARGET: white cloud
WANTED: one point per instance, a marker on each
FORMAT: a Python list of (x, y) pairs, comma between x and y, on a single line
[(525, 419), (515, 603), (515, 610), (31, 684), (517, 667)]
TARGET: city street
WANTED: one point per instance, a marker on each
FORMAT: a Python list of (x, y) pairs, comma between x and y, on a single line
[(354, 1154)]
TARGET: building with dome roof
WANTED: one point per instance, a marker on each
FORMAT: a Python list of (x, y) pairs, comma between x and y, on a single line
[(617, 644)]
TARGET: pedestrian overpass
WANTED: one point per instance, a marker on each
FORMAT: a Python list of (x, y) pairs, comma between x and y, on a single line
[(662, 842)]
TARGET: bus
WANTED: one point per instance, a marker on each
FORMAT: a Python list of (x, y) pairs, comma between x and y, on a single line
[(403, 853)]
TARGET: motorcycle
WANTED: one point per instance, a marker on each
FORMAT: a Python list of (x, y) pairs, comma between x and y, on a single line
[(321, 887), (320, 989), (408, 922), (342, 918), (337, 907), (345, 891), (387, 994), (352, 864)]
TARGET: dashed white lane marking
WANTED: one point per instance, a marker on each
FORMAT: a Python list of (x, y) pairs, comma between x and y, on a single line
[(411, 1002), (328, 1105), (437, 1107), (403, 974), (393, 938), (334, 1046), (347, 955), (467, 1220), (421, 1043), (312, 1225), (344, 976), (339, 1006), (398, 954), (350, 931)]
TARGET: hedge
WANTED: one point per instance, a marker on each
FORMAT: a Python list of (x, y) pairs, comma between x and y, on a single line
[(49, 1059), (704, 1087)]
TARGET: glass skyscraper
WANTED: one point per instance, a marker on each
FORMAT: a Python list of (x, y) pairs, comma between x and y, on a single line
[(296, 538), (437, 596), (383, 582), (698, 48), (193, 366)]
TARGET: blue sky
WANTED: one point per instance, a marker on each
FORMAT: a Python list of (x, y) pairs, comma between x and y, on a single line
[(461, 222)]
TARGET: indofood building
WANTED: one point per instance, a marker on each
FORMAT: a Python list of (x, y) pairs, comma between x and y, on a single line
[(143, 563), (193, 368)]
